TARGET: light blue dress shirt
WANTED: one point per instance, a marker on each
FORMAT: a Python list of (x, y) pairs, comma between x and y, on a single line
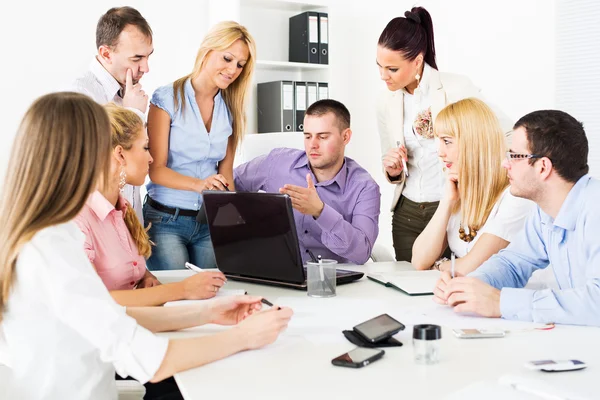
[(571, 243), (192, 150)]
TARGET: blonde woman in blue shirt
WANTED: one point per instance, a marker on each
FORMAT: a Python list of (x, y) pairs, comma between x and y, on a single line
[(194, 126)]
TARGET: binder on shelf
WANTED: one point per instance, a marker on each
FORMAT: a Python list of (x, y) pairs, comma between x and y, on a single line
[(323, 39), (275, 104), (323, 90), (299, 104), (311, 93), (304, 38)]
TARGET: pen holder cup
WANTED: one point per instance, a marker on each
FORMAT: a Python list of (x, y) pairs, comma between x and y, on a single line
[(321, 278)]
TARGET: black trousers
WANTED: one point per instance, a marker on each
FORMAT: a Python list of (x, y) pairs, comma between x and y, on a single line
[(163, 390), (408, 221)]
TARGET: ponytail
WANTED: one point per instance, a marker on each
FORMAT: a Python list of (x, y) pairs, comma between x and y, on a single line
[(138, 233), (411, 35)]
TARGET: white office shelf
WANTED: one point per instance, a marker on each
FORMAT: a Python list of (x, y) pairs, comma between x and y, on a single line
[(290, 66)]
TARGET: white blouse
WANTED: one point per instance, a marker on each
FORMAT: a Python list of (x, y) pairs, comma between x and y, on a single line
[(64, 333), (505, 221), (425, 176)]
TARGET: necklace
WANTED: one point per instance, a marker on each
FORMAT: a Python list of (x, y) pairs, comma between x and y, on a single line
[(466, 237)]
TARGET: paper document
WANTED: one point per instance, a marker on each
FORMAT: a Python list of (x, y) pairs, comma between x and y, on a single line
[(413, 283), (220, 293)]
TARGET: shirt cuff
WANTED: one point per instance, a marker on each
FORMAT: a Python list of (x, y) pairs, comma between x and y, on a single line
[(138, 113), (144, 355), (516, 303), (328, 218)]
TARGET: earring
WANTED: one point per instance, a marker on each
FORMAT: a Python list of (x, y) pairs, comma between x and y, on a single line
[(122, 181), (417, 77)]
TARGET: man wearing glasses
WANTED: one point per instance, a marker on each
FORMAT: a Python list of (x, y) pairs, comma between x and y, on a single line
[(547, 163)]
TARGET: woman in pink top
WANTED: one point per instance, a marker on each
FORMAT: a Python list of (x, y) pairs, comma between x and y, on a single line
[(116, 242)]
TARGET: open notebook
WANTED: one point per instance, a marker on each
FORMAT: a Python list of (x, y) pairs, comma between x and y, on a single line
[(413, 283)]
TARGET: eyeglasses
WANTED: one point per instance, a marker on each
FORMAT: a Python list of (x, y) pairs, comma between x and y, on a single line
[(510, 156)]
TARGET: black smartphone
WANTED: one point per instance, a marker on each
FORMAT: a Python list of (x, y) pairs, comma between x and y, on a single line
[(358, 358), (379, 328)]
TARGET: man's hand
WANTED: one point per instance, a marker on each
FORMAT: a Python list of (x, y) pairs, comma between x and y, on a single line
[(441, 286), (134, 96), (472, 295), (306, 200)]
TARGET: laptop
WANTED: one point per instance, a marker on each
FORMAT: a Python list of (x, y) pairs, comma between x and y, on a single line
[(255, 240)]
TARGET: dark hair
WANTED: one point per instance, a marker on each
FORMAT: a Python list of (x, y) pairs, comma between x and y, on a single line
[(560, 137), (111, 24), (322, 107), (411, 35)]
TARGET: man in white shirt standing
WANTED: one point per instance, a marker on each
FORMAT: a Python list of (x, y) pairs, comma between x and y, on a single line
[(124, 43)]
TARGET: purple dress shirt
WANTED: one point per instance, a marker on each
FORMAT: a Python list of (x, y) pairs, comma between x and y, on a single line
[(349, 223)]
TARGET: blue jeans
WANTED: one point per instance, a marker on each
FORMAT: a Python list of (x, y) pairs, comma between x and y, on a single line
[(178, 239)]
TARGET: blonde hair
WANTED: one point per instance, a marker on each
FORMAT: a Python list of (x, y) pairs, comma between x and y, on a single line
[(220, 37), (59, 155), (481, 149), (126, 127)]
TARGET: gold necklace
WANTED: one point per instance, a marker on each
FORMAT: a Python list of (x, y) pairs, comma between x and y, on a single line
[(466, 237)]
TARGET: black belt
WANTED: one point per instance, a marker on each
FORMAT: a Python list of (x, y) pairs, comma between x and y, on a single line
[(161, 207)]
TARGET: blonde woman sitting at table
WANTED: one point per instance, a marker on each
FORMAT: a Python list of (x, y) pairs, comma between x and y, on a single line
[(115, 241), (477, 216)]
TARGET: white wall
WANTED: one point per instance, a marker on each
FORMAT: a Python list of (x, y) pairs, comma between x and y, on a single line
[(507, 48)]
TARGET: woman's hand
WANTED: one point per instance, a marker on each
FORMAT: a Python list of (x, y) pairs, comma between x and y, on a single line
[(392, 161), (213, 182), (230, 310), (262, 328), (202, 285), (147, 281), (451, 194)]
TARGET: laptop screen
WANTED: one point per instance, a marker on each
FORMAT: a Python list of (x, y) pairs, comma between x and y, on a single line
[(254, 235)]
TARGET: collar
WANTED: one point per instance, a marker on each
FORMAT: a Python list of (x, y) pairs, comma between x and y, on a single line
[(109, 83), (339, 178), (102, 207), (572, 206), (190, 94)]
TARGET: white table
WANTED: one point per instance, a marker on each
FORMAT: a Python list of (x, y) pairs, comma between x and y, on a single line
[(295, 367)]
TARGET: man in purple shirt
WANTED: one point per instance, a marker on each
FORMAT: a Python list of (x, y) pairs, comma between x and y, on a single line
[(336, 202)]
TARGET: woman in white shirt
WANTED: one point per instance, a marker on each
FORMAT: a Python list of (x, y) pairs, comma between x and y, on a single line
[(65, 335), (477, 215), (416, 93)]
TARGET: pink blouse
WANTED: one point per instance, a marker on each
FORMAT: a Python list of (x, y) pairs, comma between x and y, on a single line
[(108, 243)]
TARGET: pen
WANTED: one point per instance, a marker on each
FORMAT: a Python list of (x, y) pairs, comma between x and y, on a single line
[(452, 258), (404, 166), (267, 302), (197, 269), (193, 267)]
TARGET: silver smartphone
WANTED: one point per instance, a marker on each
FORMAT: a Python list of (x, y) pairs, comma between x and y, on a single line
[(478, 333)]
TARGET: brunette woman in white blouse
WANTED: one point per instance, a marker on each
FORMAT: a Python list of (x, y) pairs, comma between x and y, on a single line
[(65, 335), (477, 216), (416, 93)]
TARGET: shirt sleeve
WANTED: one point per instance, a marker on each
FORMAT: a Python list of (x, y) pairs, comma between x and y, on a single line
[(510, 217), (252, 176), (163, 99), (88, 244), (512, 267), (353, 240), (81, 301)]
